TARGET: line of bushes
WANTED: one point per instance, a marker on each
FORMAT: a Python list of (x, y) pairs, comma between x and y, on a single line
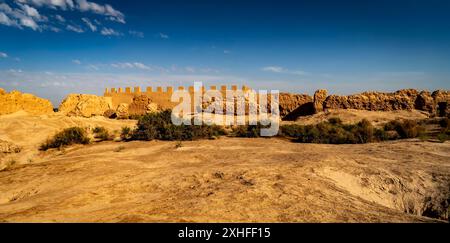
[(334, 131), (158, 126)]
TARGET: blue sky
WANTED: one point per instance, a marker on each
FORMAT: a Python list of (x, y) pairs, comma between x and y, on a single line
[(55, 47)]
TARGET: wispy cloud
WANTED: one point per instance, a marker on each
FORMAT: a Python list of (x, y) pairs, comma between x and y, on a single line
[(282, 70), (76, 29), (76, 61), (226, 52), (18, 17), (3, 55), (136, 33), (163, 36), (136, 65), (89, 24), (24, 14), (60, 18), (93, 67), (109, 32), (80, 5)]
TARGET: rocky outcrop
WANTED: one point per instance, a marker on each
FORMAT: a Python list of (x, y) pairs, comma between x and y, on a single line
[(122, 111), (17, 101), (295, 104), (142, 105), (425, 102), (374, 101), (85, 105), (442, 101), (8, 148), (319, 98)]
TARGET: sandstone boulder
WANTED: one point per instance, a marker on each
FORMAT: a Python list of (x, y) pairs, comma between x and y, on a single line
[(319, 98), (425, 102), (8, 148), (142, 105), (16, 101), (85, 105), (122, 111)]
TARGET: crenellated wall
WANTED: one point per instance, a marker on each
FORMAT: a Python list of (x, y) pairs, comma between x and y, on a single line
[(160, 95)]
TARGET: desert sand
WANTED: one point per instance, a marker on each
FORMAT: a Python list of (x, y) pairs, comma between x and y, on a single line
[(222, 180)]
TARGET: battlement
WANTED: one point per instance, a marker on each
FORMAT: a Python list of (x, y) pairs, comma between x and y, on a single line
[(167, 90), (160, 95)]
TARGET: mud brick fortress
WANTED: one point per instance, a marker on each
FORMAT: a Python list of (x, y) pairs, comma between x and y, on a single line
[(161, 96)]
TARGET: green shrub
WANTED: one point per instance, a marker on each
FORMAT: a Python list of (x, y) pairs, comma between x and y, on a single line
[(334, 131), (102, 134), (158, 126), (69, 136), (126, 133), (442, 137), (406, 129)]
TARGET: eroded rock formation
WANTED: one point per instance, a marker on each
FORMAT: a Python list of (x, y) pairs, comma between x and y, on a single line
[(142, 105), (17, 101), (8, 148), (319, 98), (292, 105), (85, 105)]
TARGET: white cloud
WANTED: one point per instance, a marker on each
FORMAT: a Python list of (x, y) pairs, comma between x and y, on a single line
[(89, 24), (78, 62), (107, 10), (76, 29), (17, 17), (15, 71), (163, 36), (5, 20), (141, 66), (25, 14), (109, 32), (136, 33), (53, 4), (30, 23), (190, 69), (274, 69), (93, 67), (277, 69), (30, 11), (226, 52), (53, 29), (3, 55), (60, 18), (136, 65)]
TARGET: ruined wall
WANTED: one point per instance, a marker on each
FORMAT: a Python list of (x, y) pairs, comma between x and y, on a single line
[(85, 105), (406, 99), (17, 101), (136, 97), (292, 105)]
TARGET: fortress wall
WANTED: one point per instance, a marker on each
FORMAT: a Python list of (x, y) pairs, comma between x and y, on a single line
[(158, 95)]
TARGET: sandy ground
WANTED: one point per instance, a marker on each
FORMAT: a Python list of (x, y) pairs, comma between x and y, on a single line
[(223, 180), (351, 116)]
